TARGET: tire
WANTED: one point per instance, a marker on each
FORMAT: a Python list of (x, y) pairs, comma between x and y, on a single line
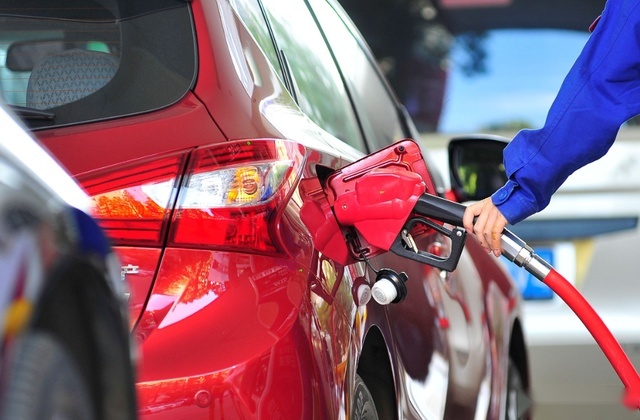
[(518, 402), (362, 406), (112, 348), (79, 309), (43, 382)]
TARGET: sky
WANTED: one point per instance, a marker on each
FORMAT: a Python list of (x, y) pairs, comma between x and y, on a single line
[(525, 71)]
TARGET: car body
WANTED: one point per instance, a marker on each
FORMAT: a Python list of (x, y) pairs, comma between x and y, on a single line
[(64, 346), (199, 129), (589, 231)]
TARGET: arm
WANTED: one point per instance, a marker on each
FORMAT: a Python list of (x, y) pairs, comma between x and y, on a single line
[(600, 92)]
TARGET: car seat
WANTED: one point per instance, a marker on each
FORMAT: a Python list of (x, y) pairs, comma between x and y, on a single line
[(68, 76)]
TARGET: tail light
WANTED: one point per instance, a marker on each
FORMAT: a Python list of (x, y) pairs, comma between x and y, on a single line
[(122, 203), (228, 198)]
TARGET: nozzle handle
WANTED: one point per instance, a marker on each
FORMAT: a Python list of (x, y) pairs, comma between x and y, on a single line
[(441, 209), (513, 248), (433, 207)]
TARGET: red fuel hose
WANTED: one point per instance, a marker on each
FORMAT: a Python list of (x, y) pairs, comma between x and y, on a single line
[(519, 253), (605, 339)]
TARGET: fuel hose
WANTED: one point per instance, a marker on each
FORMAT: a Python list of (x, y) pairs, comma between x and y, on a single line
[(522, 255), (603, 336)]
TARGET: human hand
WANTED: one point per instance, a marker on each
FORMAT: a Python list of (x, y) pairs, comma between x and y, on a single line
[(488, 226)]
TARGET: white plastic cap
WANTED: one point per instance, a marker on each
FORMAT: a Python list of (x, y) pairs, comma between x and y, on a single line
[(384, 292)]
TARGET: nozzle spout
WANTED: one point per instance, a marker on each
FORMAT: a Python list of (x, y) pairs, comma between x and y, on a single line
[(522, 255)]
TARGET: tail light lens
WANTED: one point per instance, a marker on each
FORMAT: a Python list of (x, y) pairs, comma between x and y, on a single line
[(232, 194), (122, 203), (228, 198)]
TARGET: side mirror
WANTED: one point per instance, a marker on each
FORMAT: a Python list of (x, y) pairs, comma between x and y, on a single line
[(475, 166)]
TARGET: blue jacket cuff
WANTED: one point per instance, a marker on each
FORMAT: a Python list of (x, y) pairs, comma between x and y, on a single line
[(512, 203)]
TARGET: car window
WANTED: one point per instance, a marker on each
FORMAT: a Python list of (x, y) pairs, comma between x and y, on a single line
[(251, 15), (62, 64), (376, 108), (318, 84)]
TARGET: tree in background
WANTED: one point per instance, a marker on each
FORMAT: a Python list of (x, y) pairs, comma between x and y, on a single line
[(412, 44)]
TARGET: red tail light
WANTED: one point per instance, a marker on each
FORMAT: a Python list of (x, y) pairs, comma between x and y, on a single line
[(232, 195), (228, 198), (133, 203)]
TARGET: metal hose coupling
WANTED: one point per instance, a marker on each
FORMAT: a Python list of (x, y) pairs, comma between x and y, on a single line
[(518, 252)]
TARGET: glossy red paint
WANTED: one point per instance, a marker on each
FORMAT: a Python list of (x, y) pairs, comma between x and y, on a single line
[(257, 297), (138, 269), (238, 113), (240, 327), (88, 147)]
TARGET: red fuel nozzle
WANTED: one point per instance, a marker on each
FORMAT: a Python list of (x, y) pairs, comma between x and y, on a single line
[(377, 203), (359, 210)]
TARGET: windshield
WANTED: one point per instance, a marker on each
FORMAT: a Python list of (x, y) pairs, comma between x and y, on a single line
[(507, 80), (512, 84), (66, 62)]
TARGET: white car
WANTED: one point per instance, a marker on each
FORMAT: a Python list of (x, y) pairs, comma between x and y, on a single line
[(589, 232), (64, 341)]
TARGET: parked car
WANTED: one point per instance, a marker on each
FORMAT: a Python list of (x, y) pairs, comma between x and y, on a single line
[(193, 125), (589, 232), (64, 344)]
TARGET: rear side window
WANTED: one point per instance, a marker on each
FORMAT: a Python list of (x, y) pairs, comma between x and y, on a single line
[(251, 15), (376, 107), (317, 82), (67, 62)]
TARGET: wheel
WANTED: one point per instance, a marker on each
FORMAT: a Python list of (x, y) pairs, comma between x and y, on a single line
[(79, 309), (43, 382), (363, 406), (112, 348), (518, 402)]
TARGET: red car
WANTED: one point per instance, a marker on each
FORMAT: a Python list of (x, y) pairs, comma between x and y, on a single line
[(199, 128)]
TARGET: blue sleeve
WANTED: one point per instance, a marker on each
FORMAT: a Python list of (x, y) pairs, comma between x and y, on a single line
[(600, 92)]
